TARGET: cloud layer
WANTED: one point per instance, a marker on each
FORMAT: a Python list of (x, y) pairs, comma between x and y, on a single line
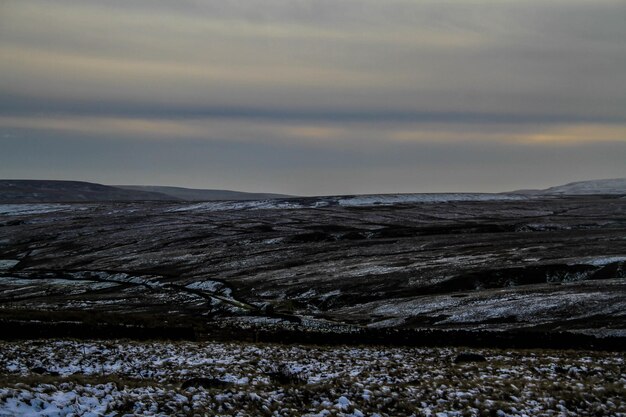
[(363, 88)]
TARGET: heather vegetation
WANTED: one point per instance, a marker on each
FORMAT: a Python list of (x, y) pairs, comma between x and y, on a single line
[(116, 378)]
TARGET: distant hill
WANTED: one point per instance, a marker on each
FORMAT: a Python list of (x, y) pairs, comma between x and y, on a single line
[(49, 191), (608, 186), (191, 194), (52, 191)]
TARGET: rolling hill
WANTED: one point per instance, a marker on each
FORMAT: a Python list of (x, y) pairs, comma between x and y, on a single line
[(52, 191), (192, 194), (49, 191), (606, 186)]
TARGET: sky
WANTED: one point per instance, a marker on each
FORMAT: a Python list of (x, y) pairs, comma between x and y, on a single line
[(314, 97)]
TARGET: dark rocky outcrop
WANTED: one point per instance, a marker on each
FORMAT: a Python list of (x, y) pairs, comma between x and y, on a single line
[(206, 383)]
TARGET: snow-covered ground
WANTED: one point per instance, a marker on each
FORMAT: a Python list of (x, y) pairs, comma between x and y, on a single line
[(24, 209), (114, 378), (6, 264), (391, 199), (347, 201), (601, 261), (211, 286), (526, 307), (240, 205)]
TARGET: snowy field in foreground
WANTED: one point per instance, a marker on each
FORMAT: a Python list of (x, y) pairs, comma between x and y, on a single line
[(109, 378)]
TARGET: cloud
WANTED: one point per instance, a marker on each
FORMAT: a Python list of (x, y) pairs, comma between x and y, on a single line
[(361, 134), (370, 92), (558, 57), (577, 134)]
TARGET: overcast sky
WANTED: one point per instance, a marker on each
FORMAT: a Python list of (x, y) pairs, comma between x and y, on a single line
[(314, 97)]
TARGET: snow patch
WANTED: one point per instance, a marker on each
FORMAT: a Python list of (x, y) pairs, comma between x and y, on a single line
[(346, 201), (211, 286), (601, 261), (6, 264), (391, 199), (25, 209)]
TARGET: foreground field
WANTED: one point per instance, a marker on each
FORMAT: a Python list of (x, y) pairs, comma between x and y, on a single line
[(113, 378)]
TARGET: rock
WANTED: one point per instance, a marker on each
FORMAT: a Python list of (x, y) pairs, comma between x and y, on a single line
[(285, 376), (206, 383), (43, 371)]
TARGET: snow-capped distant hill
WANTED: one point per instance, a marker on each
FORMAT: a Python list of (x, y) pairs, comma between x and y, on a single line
[(608, 186)]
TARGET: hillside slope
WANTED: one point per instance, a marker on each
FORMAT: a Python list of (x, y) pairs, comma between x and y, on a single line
[(606, 186), (191, 194), (525, 264), (50, 191)]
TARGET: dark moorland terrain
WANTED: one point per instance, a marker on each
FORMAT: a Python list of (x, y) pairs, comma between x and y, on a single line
[(440, 268)]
